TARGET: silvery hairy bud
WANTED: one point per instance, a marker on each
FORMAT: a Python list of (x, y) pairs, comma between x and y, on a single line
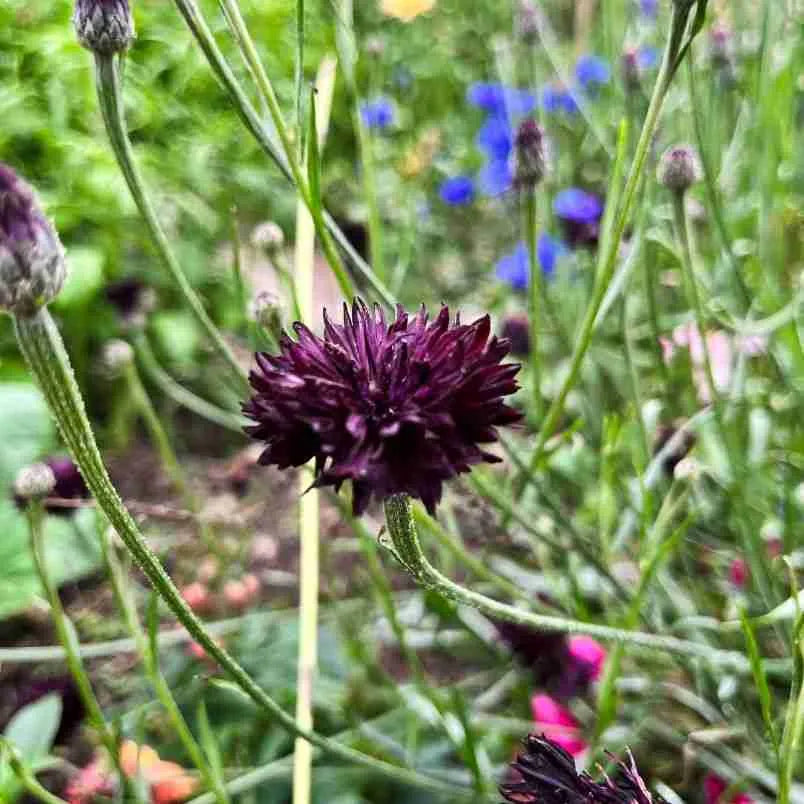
[(105, 27)]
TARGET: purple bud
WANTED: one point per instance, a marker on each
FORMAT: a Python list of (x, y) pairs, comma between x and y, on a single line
[(32, 267), (529, 153), (516, 329), (679, 168), (104, 26)]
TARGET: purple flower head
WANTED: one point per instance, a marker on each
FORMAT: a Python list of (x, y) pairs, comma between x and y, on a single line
[(377, 114), (544, 773), (591, 71), (514, 268), (395, 409), (457, 191), (497, 99), (580, 214), (32, 267), (69, 485), (104, 26), (557, 98)]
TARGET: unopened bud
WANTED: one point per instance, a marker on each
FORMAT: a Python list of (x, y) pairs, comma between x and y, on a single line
[(104, 26), (34, 482), (117, 354), (268, 237), (679, 168), (32, 267), (529, 149), (527, 21), (516, 328), (266, 310), (629, 65)]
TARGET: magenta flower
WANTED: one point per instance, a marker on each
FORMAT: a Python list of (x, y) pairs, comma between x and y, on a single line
[(715, 787), (395, 409), (557, 723), (588, 653)]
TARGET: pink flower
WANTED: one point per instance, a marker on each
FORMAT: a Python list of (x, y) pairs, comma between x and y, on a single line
[(557, 723), (715, 787), (738, 572), (586, 651)]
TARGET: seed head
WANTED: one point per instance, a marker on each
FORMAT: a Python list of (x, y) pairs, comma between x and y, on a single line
[(32, 267), (117, 354), (268, 237), (34, 482), (104, 26), (679, 168), (266, 310), (529, 154), (396, 409)]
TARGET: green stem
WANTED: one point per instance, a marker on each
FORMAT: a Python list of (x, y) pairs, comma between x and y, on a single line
[(609, 261), (251, 120), (535, 294), (67, 638), (26, 778), (107, 79), (794, 726), (44, 352), (405, 538), (150, 661)]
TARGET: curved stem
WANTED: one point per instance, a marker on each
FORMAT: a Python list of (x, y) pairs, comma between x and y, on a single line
[(534, 298), (150, 661), (107, 79), (44, 352), (405, 538), (67, 638), (608, 262), (25, 776)]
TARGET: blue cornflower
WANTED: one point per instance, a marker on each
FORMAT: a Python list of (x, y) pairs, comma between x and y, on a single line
[(457, 190), (556, 98), (647, 57), (650, 8), (514, 269), (498, 99), (496, 177), (495, 138), (591, 71), (377, 113), (579, 213)]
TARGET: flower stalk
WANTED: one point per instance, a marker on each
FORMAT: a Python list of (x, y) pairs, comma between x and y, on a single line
[(107, 78), (46, 356), (407, 548)]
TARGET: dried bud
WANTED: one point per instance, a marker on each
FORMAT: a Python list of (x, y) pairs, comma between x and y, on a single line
[(34, 482), (32, 267), (527, 21), (266, 309), (268, 237), (529, 149), (679, 168), (104, 26), (117, 354), (629, 65)]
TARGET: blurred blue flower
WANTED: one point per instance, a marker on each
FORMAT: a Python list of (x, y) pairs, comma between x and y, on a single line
[(377, 113), (496, 177), (498, 99), (647, 57), (514, 269), (556, 98), (495, 138), (591, 71), (650, 8), (577, 205), (457, 190)]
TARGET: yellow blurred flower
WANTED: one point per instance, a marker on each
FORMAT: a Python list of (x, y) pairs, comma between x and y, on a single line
[(420, 155), (406, 10)]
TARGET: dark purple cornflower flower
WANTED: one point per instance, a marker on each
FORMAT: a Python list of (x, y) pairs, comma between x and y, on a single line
[(69, 485), (396, 409), (516, 329), (579, 213), (544, 773), (377, 114), (457, 191)]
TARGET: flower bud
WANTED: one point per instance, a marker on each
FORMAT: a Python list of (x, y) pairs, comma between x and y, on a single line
[(516, 329), (268, 237), (34, 482), (529, 149), (117, 354), (104, 26), (527, 21), (629, 66), (679, 168), (266, 309), (32, 267)]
